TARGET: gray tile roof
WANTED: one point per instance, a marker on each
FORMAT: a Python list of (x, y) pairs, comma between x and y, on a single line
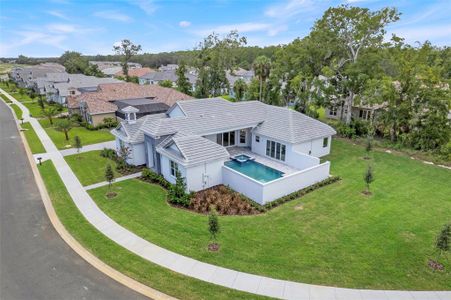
[(215, 115), (131, 133), (209, 116), (291, 126), (193, 149), (168, 75)]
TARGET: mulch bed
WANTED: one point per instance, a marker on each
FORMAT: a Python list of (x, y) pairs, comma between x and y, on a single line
[(213, 247), (111, 195), (436, 266), (223, 199)]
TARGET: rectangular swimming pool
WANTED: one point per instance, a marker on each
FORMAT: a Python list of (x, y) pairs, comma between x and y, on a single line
[(255, 170)]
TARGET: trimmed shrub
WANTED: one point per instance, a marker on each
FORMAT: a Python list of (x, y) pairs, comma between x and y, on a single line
[(108, 153)]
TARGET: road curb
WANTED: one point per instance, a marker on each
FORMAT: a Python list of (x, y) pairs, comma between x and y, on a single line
[(73, 243)]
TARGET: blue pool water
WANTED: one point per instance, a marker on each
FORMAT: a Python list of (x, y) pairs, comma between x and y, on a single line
[(254, 170)]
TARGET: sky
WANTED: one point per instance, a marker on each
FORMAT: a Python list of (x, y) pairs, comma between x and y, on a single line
[(45, 28)]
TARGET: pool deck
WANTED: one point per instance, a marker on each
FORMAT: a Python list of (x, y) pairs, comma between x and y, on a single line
[(261, 159)]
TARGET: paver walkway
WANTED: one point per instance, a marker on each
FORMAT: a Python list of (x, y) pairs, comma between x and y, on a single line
[(103, 183), (256, 284)]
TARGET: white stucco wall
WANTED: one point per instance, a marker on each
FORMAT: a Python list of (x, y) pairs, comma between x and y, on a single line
[(166, 169), (266, 192), (314, 148), (138, 155), (204, 176)]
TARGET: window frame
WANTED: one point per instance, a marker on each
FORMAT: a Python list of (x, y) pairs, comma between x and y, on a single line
[(325, 142), (243, 134), (173, 168), (276, 150)]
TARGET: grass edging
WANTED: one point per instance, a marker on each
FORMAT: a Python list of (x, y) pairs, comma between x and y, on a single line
[(17, 111), (120, 258), (33, 140)]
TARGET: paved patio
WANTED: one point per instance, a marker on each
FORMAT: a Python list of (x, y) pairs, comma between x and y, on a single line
[(251, 283), (263, 160)]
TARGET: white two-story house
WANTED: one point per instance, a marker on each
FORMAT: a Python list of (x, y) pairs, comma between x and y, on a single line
[(259, 150)]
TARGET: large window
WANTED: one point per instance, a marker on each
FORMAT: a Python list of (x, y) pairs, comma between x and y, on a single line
[(174, 168), (275, 150), (242, 136), (226, 139)]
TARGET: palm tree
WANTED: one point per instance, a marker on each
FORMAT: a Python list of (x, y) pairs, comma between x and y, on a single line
[(65, 126), (262, 68), (50, 112)]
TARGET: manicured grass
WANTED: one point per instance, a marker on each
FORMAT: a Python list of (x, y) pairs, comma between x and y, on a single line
[(89, 167), (4, 98), (33, 141), (23, 97), (340, 237), (87, 137), (121, 259), (8, 88), (17, 110), (34, 108)]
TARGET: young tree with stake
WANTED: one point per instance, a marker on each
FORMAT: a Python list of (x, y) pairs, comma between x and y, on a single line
[(369, 178), (77, 143), (109, 176)]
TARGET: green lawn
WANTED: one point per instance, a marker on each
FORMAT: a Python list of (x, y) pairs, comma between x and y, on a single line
[(339, 238), (17, 110), (5, 98), (33, 141), (121, 259), (87, 137), (24, 97), (89, 167), (34, 108)]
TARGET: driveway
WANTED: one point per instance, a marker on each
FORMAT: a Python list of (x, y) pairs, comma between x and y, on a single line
[(35, 263)]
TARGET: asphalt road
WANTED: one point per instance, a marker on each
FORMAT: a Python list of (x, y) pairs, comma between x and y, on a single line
[(35, 263)]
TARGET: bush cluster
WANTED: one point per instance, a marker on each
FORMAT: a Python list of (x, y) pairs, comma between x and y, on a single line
[(152, 177), (108, 153), (224, 200), (357, 128)]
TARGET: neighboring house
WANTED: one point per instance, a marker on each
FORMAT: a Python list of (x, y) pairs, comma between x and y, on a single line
[(168, 67), (109, 100), (259, 150), (170, 75), (111, 72), (243, 74), (136, 72), (101, 65), (25, 76), (76, 83), (359, 111)]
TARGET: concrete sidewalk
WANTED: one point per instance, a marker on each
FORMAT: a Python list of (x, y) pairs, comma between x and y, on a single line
[(99, 146), (251, 283), (119, 179)]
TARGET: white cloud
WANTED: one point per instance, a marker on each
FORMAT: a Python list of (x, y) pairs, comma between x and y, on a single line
[(33, 37), (289, 9), (57, 14), (146, 5), (112, 15), (240, 27), (61, 28), (437, 34), (184, 23)]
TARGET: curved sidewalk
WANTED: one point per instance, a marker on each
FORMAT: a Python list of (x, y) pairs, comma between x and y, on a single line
[(256, 284)]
